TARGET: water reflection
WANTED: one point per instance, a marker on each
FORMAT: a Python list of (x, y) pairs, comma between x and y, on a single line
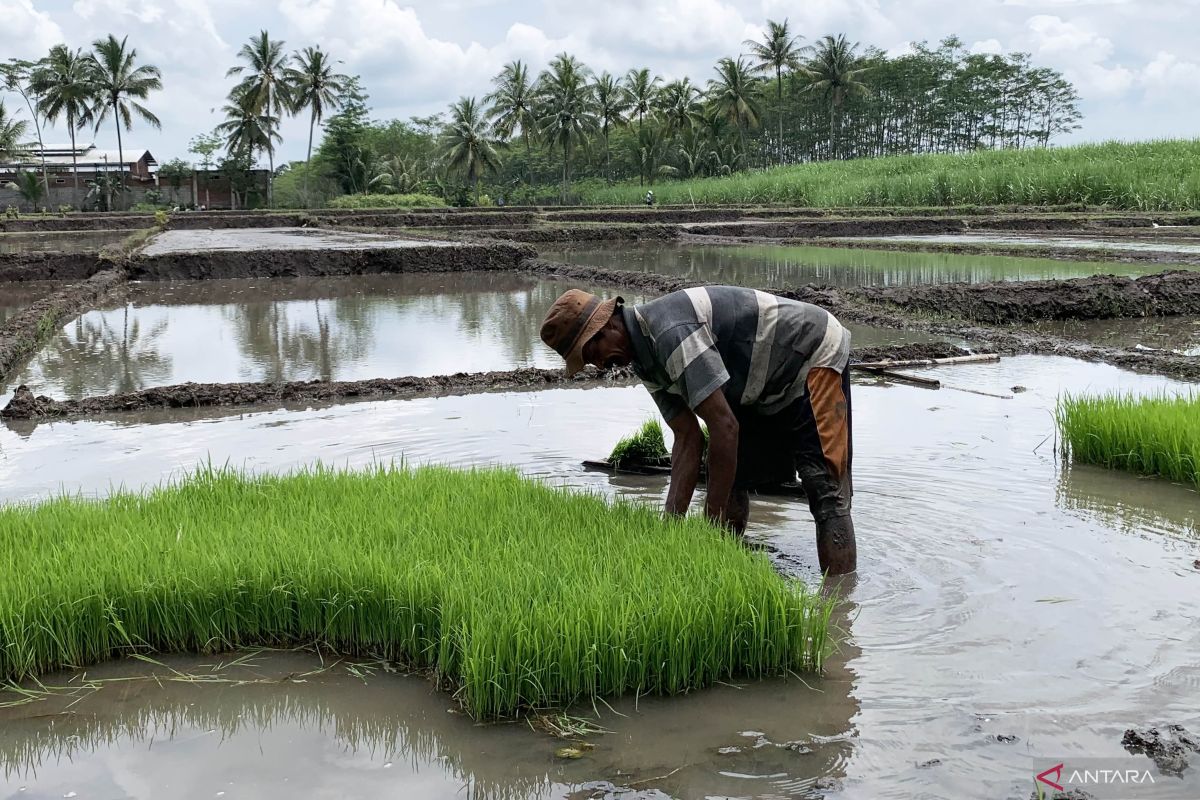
[(1179, 334), (345, 328), (775, 265), (59, 241), (17, 295), (1143, 506)]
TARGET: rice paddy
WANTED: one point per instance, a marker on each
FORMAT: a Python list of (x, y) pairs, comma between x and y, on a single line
[(1143, 176), (513, 594), (644, 446), (1156, 435)]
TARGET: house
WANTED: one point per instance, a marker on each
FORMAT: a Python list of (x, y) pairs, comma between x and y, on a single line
[(140, 165)]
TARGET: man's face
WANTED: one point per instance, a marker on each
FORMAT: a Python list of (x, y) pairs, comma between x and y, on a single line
[(608, 348)]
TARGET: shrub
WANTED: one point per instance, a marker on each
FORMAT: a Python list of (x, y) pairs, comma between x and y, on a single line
[(387, 201)]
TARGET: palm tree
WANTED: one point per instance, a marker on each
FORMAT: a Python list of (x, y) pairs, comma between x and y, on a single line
[(643, 90), (398, 174), (12, 131), (568, 112), (66, 90), (29, 187), (465, 144), (512, 107), (778, 50), (835, 70), (650, 149), (116, 83), (313, 85), (736, 95), (612, 104), (19, 77), (246, 129), (679, 104), (265, 88)]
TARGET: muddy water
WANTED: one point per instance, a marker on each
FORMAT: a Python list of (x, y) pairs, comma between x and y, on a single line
[(14, 297), (1001, 594), (60, 242), (1167, 244), (344, 328), (1178, 334), (192, 241), (772, 265)]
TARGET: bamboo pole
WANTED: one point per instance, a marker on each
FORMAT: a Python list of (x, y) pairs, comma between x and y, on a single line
[(978, 358)]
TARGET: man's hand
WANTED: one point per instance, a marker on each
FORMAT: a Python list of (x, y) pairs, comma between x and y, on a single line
[(722, 454)]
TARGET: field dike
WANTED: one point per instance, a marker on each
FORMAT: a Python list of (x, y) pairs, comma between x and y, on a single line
[(25, 405), (296, 263), (15, 267), (24, 334)]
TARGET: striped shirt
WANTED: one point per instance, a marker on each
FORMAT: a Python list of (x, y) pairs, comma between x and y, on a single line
[(755, 346)]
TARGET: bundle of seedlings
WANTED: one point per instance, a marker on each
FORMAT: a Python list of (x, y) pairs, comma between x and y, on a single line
[(646, 448), (512, 594), (1154, 435)]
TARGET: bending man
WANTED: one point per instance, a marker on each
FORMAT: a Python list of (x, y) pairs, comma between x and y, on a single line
[(768, 376)]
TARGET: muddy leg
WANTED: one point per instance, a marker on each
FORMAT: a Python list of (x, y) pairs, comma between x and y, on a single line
[(837, 552), (738, 511)]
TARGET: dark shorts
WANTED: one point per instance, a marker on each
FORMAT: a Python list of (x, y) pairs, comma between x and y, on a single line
[(810, 439)]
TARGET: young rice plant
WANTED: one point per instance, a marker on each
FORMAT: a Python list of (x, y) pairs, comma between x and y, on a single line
[(515, 594), (1157, 435)]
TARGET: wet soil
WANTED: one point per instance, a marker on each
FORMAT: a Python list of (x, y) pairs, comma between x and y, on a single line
[(413, 257), (586, 233), (1169, 750), (48, 266), (24, 405), (24, 333)]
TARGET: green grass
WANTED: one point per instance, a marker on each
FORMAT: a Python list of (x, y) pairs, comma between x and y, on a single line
[(369, 201), (1156, 175), (1158, 435), (512, 593)]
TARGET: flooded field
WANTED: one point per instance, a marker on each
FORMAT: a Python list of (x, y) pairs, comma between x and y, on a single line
[(777, 265), (1007, 609), (1168, 244), (340, 328), (200, 241), (60, 241), (14, 297), (1177, 334)]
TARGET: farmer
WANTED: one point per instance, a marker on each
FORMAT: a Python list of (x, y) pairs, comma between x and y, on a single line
[(768, 376)]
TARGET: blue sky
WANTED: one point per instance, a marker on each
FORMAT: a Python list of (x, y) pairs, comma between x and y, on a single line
[(1135, 62)]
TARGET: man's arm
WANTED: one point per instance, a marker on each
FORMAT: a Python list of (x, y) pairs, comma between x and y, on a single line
[(722, 453), (685, 461)]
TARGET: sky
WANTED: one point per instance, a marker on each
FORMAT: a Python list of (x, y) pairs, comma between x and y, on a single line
[(1135, 63)]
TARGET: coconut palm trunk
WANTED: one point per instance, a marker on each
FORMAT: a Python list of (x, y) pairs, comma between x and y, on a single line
[(308, 158), (120, 157), (566, 173), (779, 109)]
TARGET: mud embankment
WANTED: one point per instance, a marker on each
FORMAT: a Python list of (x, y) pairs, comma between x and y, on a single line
[(651, 282), (21, 336), (1006, 302), (295, 263), (24, 405), (558, 234), (49, 266)]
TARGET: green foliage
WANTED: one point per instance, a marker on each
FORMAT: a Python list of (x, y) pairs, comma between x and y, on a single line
[(1157, 435), (518, 594), (1145, 176), (29, 185), (646, 446), (387, 201), (345, 153)]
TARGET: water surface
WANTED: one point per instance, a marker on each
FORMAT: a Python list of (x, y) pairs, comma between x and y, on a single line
[(1170, 244), (1179, 334), (16, 296), (777, 265), (60, 241)]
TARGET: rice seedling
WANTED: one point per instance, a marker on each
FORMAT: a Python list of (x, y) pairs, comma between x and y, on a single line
[(1156, 435), (513, 594), (1145, 176), (644, 446)]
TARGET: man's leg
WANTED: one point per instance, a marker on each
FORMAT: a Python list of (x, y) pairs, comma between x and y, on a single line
[(823, 460), (738, 511)]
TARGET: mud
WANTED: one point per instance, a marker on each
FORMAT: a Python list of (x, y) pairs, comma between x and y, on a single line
[(618, 278), (587, 233), (24, 405), (48, 266), (1097, 297), (294, 263), (1169, 751), (21, 336)]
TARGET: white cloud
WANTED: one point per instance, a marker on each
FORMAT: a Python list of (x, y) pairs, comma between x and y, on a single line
[(1080, 53), (26, 32), (1166, 72), (990, 47)]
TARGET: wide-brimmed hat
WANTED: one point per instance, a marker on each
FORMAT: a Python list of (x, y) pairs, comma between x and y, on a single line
[(575, 318)]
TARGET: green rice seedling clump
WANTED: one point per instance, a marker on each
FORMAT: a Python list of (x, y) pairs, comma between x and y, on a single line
[(644, 446), (1156, 435), (1143, 176), (513, 593)]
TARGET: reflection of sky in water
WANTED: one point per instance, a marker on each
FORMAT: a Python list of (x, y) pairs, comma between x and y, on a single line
[(776, 265), (1165, 244), (997, 595)]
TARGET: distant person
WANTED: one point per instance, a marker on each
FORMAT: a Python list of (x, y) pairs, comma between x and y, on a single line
[(649, 198), (769, 376)]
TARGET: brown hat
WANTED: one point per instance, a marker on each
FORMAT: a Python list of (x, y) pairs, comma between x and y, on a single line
[(574, 319)]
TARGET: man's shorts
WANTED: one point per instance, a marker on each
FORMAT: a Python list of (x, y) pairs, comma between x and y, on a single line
[(811, 438)]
